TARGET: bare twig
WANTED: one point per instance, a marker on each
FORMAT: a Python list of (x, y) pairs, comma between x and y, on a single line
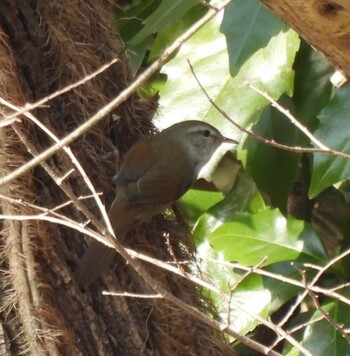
[(60, 181), (324, 149), (291, 118), (328, 292), (172, 252), (318, 275), (236, 284), (132, 295), (260, 138), (324, 313), (29, 107)]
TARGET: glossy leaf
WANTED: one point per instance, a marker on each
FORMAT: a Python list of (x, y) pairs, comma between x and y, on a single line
[(250, 238), (321, 338), (197, 202), (247, 26), (243, 197)]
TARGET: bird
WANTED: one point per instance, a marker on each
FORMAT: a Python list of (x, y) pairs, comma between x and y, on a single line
[(155, 173)]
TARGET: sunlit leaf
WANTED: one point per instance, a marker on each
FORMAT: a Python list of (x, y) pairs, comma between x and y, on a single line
[(321, 338), (250, 238), (244, 197), (197, 202)]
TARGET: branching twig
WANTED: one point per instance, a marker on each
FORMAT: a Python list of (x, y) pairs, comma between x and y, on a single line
[(324, 313), (60, 181), (172, 252), (318, 275), (28, 107), (328, 292), (236, 284), (260, 138), (291, 118)]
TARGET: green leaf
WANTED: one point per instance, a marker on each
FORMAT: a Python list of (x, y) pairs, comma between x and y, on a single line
[(270, 69), (248, 26), (129, 23), (243, 197), (334, 132), (250, 238), (137, 54), (168, 35), (312, 88), (197, 202), (273, 170), (167, 13), (321, 338)]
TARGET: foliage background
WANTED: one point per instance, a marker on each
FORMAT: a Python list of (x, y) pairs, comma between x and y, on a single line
[(287, 213)]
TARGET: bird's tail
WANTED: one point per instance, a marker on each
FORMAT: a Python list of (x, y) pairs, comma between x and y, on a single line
[(98, 257)]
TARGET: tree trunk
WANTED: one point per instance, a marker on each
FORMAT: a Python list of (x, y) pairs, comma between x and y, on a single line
[(325, 24), (44, 47)]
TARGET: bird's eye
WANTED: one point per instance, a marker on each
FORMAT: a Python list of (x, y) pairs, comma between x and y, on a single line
[(206, 133)]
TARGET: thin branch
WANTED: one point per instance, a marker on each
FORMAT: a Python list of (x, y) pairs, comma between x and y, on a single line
[(260, 138), (236, 284), (172, 252), (132, 295), (323, 148), (328, 292), (29, 107), (291, 118), (318, 275), (324, 313), (303, 325), (60, 181)]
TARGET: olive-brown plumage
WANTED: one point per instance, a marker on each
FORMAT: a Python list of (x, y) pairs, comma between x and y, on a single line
[(155, 172)]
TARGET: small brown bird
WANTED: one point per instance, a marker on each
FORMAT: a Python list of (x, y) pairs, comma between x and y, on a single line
[(155, 172)]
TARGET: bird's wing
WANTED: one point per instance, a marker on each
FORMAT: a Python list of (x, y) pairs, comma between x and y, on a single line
[(136, 163), (154, 188), (145, 177)]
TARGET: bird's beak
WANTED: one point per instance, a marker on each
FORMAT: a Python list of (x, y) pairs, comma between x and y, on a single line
[(229, 140)]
